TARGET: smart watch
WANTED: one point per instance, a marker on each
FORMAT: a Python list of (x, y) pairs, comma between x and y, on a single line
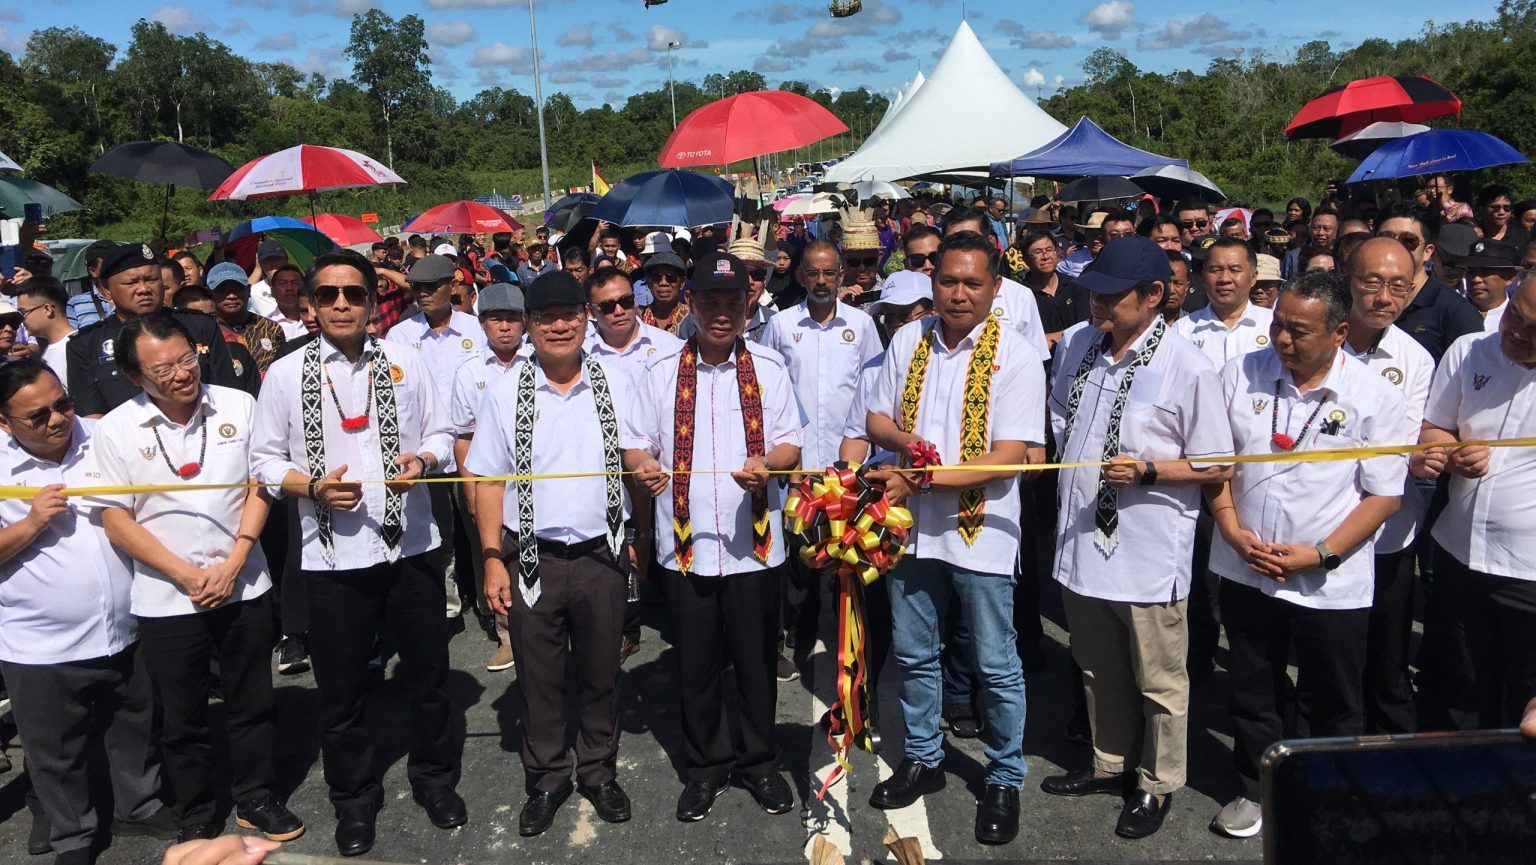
[(1330, 559), (1148, 473)]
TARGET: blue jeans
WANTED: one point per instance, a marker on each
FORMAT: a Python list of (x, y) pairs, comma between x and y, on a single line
[(920, 591)]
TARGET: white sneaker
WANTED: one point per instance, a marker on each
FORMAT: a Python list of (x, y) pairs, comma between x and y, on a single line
[(1239, 819)]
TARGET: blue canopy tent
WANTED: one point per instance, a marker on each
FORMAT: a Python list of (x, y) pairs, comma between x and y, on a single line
[(1085, 150)]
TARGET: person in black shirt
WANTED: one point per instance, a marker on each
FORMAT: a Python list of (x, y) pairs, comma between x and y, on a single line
[(1436, 315), (130, 276)]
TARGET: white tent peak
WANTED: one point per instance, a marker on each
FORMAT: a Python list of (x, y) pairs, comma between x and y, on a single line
[(903, 94), (918, 136)]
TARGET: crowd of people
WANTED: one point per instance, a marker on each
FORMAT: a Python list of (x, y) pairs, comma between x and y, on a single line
[(534, 434)]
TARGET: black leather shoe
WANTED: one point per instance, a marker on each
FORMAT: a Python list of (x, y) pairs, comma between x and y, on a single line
[(911, 781), (1142, 816), (444, 807), (697, 798), (771, 792), (78, 856), (40, 837), (161, 825), (997, 815), (199, 831), (270, 817), (540, 809), (609, 801), (354, 831), (1084, 782), (962, 720)]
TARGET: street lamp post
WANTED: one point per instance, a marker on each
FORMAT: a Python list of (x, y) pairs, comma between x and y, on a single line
[(538, 99), (670, 86)]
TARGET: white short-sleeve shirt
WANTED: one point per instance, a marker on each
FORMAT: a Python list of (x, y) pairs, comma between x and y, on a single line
[(198, 526), (1016, 307), (1489, 524), (1016, 413), (472, 381), (824, 360), (1405, 364), (647, 342), (1221, 343), (1302, 503), (444, 350)]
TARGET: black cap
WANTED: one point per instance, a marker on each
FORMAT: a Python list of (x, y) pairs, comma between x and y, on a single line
[(1124, 263), (719, 272), (556, 288), (1493, 254), (126, 257)]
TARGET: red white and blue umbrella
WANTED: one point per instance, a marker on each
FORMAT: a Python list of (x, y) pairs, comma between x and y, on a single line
[(303, 170), (1436, 151)]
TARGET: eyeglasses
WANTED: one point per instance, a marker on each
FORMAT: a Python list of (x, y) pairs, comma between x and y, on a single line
[(1410, 242), (811, 273), (664, 277), (1195, 223), (1500, 208), (31, 309), (918, 259), (1374, 284), (607, 307), (757, 274), (548, 318), (864, 261), (40, 418), (356, 295), (166, 372)]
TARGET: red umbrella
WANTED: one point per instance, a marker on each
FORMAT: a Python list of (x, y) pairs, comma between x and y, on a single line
[(747, 125), (345, 230), (306, 169), (463, 217), (1356, 105)]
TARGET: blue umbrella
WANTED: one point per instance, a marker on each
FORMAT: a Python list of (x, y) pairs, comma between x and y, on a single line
[(670, 197), (1435, 151), (263, 224)]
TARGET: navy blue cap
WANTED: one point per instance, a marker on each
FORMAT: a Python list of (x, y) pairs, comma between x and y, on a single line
[(1123, 263), (555, 288)]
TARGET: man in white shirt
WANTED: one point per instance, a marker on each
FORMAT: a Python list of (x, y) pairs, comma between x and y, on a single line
[(1482, 391), (720, 403), (1131, 392), (68, 643), (1375, 268), (446, 339), (340, 425), (287, 282), (1490, 268), (270, 255), (502, 319), (1014, 303), (964, 544), (42, 305), (555, 557), (201, 589), (1296, 539)]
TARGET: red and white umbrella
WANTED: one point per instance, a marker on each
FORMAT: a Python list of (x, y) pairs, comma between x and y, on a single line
[(1242, 213), (463, 217), (344, 230), (306, 169)]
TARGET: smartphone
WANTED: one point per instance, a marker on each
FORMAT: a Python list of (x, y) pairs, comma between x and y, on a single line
[(1426, 799), (32, 212)]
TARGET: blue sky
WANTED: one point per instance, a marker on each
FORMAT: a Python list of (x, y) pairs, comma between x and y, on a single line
[(602, 50)]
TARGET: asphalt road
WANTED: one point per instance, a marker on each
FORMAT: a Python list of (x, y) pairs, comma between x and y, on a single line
[(1054, 829)]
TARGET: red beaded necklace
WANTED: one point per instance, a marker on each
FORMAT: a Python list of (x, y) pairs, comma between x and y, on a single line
[(187, 470), (357, 422)]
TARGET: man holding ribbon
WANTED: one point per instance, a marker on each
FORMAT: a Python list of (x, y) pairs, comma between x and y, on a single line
[(714, 418), (1129, 392), (969, 391), (342, 425), (555, 559)]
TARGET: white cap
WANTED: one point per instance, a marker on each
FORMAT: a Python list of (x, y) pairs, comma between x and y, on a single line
[(904, 288), (446, 249), (6, 308), (657, 241)]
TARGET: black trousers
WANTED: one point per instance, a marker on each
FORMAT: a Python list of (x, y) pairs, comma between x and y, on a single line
[(1499, 619), (58, 709), (1203, 616), (579, 616), (1389, 706), (403, 599), (178, 651), (1262, 633), (719, 618), (293, 589)]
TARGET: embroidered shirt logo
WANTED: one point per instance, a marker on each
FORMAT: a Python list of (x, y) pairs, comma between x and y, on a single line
[(1480, 381)]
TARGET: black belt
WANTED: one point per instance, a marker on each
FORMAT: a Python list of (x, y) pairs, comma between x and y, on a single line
[(555, 549)]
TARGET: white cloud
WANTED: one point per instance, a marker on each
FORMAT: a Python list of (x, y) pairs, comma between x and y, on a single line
[(860, 65), (1208, 29), (475, 4), (771, 65), (322, 62), (337, 8), (1110, 19), (578, 36), (179, 20), (278, 42), (501, 54), (450, 32), (658, 37), (236, 26), (615, 61), (13, 43), (1034, 78), (1040, 40)]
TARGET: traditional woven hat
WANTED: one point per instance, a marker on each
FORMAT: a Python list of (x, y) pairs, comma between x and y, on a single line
[(744, 246), (859, 232)]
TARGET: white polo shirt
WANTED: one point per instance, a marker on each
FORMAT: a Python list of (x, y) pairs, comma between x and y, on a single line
[(824, 362), (471, 381), (647, 342), (54, 355), (293, 328), (1174, 409), (198, 526), (444, 350), (68, 595), (1492, 317), (857, 426), (721, 510), (1405, 364), (1489, 525), (1302, 503), (1016, 306), (1016, 413), (277, 446), (1220, 343), (567, 437)]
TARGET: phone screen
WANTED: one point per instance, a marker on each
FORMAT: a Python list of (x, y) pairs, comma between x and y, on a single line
[(1405, 800)]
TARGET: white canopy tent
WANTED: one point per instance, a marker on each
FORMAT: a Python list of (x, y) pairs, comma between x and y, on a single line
[(902, 96), (967, 115)]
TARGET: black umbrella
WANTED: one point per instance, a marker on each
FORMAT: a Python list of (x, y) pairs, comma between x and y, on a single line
[(1175, 181), (1099, 189), (568, 217), (167, 162), (558, 212)]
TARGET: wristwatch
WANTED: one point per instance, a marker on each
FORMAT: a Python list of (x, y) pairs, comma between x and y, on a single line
[(1148, 473), (1330, 559)]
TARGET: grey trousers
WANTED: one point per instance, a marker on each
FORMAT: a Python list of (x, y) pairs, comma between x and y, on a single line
[(57, 709)]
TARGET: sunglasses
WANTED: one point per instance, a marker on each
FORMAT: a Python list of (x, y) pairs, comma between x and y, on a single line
[(607, 307), (757, 274), (11, 320), (41, 417), (1500, 208), (356, 295), (918, 259), (1195, 223), (1410, 242), (866, 261)]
